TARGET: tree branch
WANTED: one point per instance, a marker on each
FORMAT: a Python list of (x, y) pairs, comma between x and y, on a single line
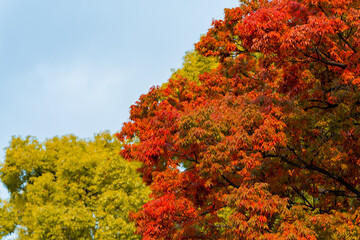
[(311, 166)]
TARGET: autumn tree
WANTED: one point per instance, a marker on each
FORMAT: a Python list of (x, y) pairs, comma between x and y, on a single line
[(69, 188), (265, 146)]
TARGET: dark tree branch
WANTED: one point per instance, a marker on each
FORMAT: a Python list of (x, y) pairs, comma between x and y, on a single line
[(311, 166), (308, 204), (339, 34), (346, 42), (319, 107), (321, 58), (338, 193), (230, 183)]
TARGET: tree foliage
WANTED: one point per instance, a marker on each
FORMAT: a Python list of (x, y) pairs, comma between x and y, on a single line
[(194, 64), (69, 188), (268, 142)]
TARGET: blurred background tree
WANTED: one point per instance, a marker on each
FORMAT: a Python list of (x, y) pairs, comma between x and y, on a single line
[(70, 188)]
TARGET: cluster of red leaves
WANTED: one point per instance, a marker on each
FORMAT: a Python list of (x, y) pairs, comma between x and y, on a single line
[(267, 145)]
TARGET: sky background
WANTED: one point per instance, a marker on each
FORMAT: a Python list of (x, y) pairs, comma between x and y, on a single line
[(76, 66)]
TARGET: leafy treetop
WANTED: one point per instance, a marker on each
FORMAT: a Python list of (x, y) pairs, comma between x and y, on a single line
[(69, 188), (269, 140)]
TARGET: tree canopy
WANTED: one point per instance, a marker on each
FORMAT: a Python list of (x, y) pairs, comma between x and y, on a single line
[(266, 145), (69, 188), (194, 64)]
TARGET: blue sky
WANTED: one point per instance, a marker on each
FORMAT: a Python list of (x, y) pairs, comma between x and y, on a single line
[(76, 66)]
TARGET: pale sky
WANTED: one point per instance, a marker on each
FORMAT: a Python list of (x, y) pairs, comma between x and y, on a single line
[(76, 66)]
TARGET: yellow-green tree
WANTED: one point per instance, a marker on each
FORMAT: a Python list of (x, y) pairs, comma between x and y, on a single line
[(69, 188), (194, 64)]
